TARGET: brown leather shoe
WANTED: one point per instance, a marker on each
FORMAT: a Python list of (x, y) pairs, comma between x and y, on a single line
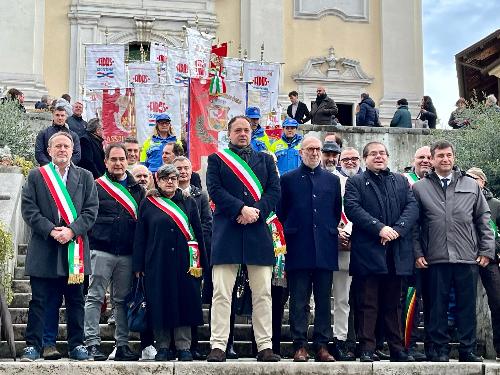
[(267, 355), (322, 355), (216, 355), (301, 355)]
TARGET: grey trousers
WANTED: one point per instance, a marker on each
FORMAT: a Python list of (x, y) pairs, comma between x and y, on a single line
[(107, 267), (182, 338)]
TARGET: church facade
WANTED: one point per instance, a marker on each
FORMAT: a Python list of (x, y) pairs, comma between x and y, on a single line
[(349, 47)]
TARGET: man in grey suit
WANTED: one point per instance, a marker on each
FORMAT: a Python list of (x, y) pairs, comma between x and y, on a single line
[(59, 203)]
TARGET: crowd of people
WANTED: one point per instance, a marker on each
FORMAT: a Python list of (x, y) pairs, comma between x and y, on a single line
[(277, 221)]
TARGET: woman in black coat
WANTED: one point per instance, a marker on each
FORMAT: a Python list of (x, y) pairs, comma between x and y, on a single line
[(161, 253), (92, 150), (428, 112)]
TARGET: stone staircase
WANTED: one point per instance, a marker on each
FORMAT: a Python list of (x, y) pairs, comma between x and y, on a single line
[(19, 312)]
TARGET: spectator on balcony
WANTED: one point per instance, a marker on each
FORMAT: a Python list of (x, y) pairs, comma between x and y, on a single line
[(297, 110), (402, 116), (367, 115), (428, 112), (456, 120), (324, 109)]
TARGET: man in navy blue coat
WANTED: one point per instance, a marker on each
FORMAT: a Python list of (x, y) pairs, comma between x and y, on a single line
[(241, 236), (381, 206), (310, 210)]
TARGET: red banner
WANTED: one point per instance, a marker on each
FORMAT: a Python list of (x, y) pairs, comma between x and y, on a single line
[(203, 140), (220, 50), (118, 115)]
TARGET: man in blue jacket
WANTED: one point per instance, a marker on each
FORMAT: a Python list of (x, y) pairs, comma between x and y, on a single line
[(381, 206), (260, 140), (287, 147), (310, 210)]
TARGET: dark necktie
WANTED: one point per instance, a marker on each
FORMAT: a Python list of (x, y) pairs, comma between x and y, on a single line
[(445, 183)]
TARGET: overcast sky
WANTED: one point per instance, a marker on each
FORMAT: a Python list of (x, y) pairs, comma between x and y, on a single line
[(449, 27)]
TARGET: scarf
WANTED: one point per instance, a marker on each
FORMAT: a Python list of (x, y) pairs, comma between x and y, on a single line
[(242, 152)]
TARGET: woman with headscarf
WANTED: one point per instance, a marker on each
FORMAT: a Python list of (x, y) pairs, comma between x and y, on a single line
[(92, 149), (169, 252)]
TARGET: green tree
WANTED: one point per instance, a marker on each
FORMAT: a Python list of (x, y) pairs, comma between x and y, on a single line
[(15, 131), (478, 144)]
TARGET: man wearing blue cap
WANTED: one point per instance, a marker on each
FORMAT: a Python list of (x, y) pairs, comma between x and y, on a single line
[(287, 147), (260, 140)]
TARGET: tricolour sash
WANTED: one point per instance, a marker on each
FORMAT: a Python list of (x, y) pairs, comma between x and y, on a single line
[(279, 244), (68, 213), (180, 218), (243, 171), (119, 193), (411, 177)]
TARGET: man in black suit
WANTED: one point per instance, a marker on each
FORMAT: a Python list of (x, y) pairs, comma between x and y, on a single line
[(297, 110), (56, 230)]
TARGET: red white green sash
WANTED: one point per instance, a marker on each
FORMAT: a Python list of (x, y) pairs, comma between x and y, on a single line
[(68, 213), (243, 171), (119, 193), (494, 227), (411, 177), (182, 221), (279, 244)]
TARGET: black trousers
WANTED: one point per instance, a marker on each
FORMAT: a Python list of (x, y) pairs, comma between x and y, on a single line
[(463, 277), (300, 284), (41, 288), (378, 295), (490, 277)]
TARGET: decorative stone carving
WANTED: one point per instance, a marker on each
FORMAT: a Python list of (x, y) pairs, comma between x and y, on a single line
[(350, 11)]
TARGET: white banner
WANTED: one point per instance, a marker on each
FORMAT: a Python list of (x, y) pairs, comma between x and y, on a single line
[(177, 68), (105, 66), (199, 46), (263, 91), (146, 72), (158, 52), (233, 68), (151, 100), (226, 106)]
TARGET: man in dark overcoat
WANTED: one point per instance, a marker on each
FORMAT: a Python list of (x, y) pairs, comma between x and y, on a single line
[(382, 209), (47, 254), (241, 235), (309, 209)]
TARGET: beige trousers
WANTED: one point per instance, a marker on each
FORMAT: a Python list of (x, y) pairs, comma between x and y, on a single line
[(223, 278)]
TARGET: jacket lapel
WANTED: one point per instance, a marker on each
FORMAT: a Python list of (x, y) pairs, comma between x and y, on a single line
[(72, 181), (253, 160)]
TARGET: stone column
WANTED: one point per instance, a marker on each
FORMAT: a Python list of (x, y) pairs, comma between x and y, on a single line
[(402, 55), (22, 25)]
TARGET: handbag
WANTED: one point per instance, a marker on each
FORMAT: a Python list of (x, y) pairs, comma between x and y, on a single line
[(136, 308), (242, 294), (421, 124)]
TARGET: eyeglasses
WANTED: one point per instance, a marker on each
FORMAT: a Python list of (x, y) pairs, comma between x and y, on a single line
[(354, 159), (375, 153), (168, 178), (312, 149)]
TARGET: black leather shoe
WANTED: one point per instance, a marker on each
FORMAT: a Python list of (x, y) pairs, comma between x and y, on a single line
[(197, 356), (381, 355), (401, 357), (418, 356), (123, 353), (366, 356), (230, 353), (440, 358), (341, 352), (469, 357), (164, 354), (95, 353)]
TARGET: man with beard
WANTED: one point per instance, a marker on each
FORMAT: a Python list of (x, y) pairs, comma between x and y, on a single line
[(111, 241), (330, 154), (350, 163), (245, 188), (310, 209), (76, 122), (341, 278), (59, 204), (323, 109), (143, 176)]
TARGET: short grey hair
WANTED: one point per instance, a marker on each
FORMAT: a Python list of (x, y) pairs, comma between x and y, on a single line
[(93, 125), (166, 170), (65, 134), (180, 159)]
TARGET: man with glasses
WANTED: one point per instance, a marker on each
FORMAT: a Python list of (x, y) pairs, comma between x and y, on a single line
[(383, 211), (310, 209), (323, 109), (349, 163)]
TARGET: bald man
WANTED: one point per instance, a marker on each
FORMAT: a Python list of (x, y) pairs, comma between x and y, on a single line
[(421, 165), (143, 176), (323, 109)]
